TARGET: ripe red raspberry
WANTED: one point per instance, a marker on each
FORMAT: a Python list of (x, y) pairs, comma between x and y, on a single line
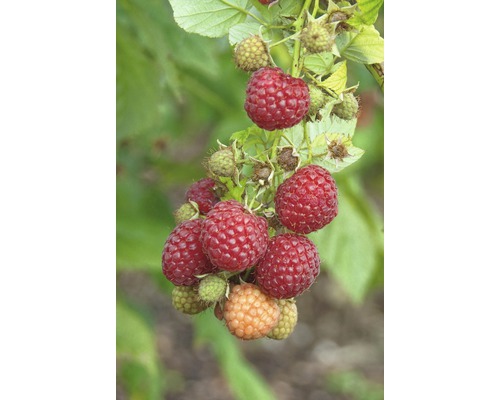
[(202, 192), (183, 256), (249, 313), (289, 267), (266, 2), (276, 100), (233, 239), (307, 201)]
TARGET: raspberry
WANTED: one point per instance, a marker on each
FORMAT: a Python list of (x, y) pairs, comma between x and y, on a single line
[(348, 109), (184, 213), (221, 163), (185, 299), (233, 239), (288, 159), (249, 313), (212, 288), (183, 256), (251, 54), (266, 2), (316, 38), (307, 201), (318, 99), (289, 267), (202, 193), (275, 100), (287, 321)]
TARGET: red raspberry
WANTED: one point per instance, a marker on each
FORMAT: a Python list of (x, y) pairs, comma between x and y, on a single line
[(266, 2), (276, 100), (289, 267), (202, 192), (183, 256), (233, 239), (307, 201)]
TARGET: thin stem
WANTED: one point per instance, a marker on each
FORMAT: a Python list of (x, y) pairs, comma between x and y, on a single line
[(282, 41), (298, 25), (377, 71), (308, 142), (316, 8), (245, 12), (274, 149)]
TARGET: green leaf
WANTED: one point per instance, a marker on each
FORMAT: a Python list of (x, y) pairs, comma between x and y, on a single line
[(212, 18), (139, 370), (143, 224), (321, 145), (338, 79), (244, 381), (369, 10), (320, 64), (239, 32), (365, 47), (351, 247), (136, 77)]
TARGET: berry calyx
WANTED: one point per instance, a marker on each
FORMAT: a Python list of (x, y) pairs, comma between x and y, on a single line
[(212, 288), (287, 320), (275, 100), (289, 267), (249, 313), (222, 163), (185, 300), (183, 257), (251, 54), (348, 109), (184, 213), (233, 238), (316, 38), (202, 192), (288, 159), (307, 201)]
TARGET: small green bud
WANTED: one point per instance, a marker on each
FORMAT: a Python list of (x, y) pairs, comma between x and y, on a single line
[(212, 288), (348, 109)]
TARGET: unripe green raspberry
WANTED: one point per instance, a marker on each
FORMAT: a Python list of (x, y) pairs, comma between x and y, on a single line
[(186, 300), (318, 99), (348, 109), (221, 163), (184, 213), (287, 320), (251, 54), (316, 38), (212, 288)]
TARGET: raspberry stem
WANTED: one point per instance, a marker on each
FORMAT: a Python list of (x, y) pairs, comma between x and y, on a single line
[(298, 25)]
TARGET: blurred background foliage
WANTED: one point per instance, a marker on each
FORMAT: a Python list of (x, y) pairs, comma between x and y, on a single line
[(177, 93)]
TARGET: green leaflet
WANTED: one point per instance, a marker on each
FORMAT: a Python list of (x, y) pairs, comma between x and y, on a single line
[(212, 18), (239, 32), (351, 247), (369, 11), (139, 369), (365, 47), (320, 64), (338, 79)]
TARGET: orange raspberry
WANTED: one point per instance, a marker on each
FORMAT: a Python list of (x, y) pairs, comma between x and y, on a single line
[(249, 313)]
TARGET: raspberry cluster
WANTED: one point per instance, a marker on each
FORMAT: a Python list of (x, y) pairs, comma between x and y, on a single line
[(249, 263)]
